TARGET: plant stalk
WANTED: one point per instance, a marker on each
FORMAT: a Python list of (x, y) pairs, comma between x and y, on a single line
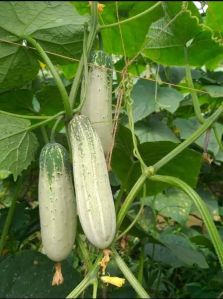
[(90, 41), (10, 215), (60, 85), (132, 18), (129, 275)]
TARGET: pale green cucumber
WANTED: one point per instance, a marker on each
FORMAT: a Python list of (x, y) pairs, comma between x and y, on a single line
[(95, 204), (98, 101), (56, 202)]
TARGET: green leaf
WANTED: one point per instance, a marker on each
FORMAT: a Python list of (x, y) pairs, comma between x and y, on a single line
[(162, 254), (214, 18), (145, 102), (183, 249), (168, 37), (154, 129), (215, 91), (19, 101), (17, 65), (50, 100), (17, 145), (133, 32), (188, 126), (29, 274), (173, 203), (185, 166), (57, 26)]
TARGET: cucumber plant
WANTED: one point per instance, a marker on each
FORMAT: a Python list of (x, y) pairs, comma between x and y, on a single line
[(81, 163)]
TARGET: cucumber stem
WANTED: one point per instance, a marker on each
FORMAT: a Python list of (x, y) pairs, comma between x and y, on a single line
[(129, 275), (132, 18), (60, 85), (10, 214)]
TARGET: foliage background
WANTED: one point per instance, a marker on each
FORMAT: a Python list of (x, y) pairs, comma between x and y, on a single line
[(168, 249)]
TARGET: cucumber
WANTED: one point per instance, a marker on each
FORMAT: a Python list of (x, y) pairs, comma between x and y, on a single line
[(56, 202), (95, 204), (98, 102)]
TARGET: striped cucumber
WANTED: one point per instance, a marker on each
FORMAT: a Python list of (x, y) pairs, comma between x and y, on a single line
[(98, 102), (56, 202), (94, 198)]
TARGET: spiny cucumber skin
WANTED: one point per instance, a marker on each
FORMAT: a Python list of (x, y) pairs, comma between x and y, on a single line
[(95, 204), (98, 102), (56, 202)]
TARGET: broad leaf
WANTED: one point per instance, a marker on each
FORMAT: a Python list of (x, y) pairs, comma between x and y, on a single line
[(173, 203), (57, 26), (146, 101), (29, 274), (17, 145), (176, 251), (19, 101), (187, 126), (185, 166), (153, 129), (168, 37), (17, 65), (214, 91), (50, 100), (133, 32)]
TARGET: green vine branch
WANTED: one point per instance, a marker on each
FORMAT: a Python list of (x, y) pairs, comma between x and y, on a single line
[(10, 215), (90, 41), (55, 74), (88, 279), (129, 275), (195, 99), (132, 18), (149, 171)]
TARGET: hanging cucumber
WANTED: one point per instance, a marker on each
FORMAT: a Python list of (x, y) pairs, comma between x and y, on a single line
[(56, 202), (98, 101), (94, 199)]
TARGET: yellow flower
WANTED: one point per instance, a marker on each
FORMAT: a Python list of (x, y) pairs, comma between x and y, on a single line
[(116, 281)]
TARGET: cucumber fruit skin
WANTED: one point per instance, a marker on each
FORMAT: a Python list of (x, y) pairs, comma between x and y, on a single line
[(95, 204), (98, 102), (56, 202)]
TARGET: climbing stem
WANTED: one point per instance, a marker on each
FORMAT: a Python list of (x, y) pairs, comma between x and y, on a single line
[(53, 131), (208, 122), (195, 100), (129, 275), (90, 41), (55, 74), (88, 279), (132, 18), (129, 199), (24, 116), (202, 208), (44, 134), (132, 223), (10, 214)]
